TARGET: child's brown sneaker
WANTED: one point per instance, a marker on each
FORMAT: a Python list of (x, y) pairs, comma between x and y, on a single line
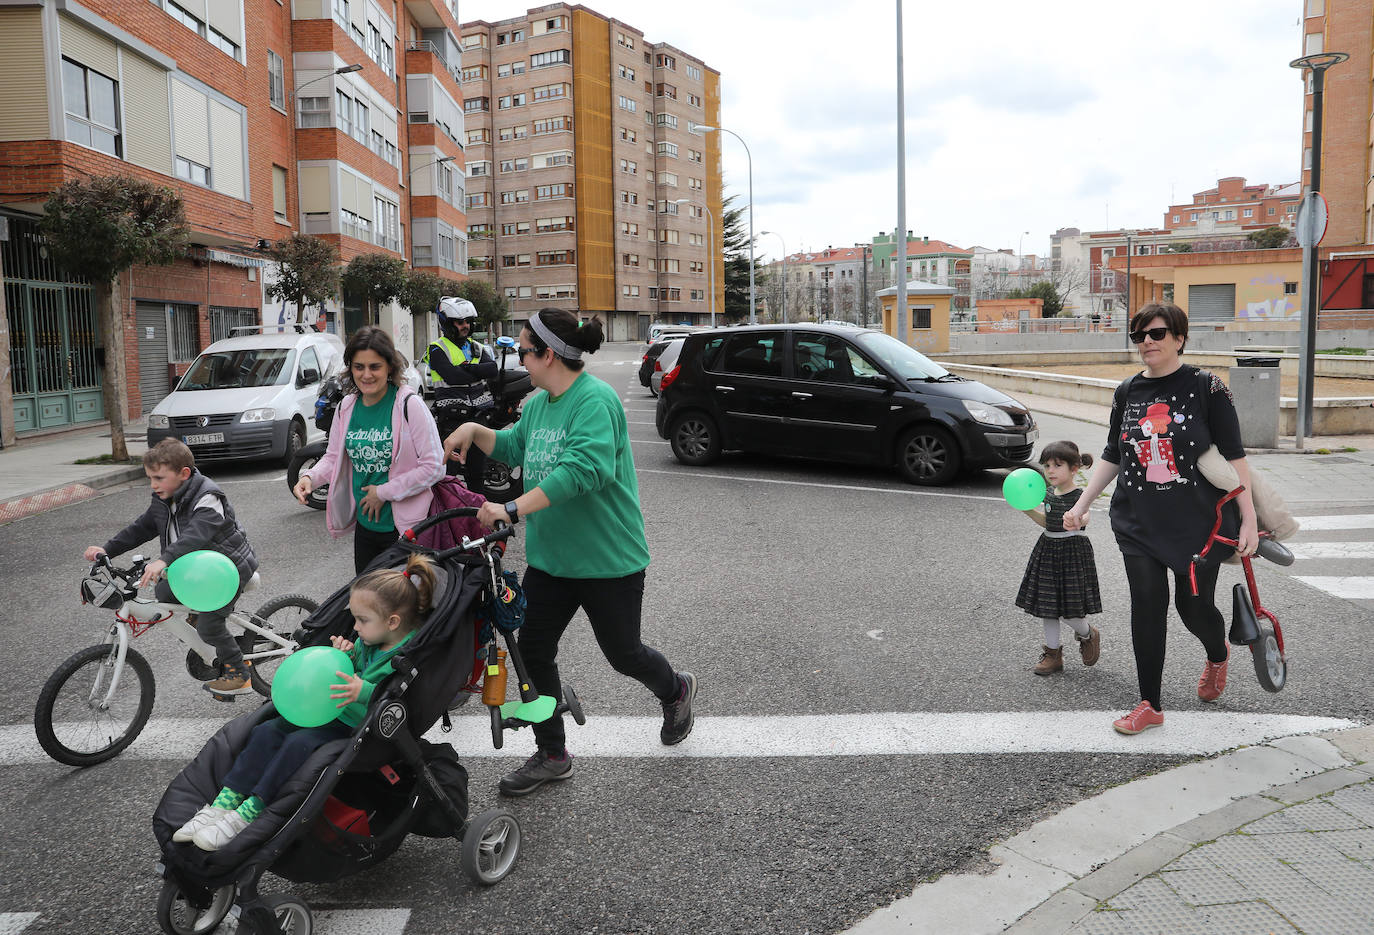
[(1090, 646), (1051, 661), (236, 680)]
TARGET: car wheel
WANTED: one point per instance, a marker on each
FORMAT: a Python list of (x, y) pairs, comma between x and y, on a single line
[(928, 456), (295, 441), (695, 439)]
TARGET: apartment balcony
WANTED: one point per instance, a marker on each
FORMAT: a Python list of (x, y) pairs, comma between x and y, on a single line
[(434, 14), (424, 58)]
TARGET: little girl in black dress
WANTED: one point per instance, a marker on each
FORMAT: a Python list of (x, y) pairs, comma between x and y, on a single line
[(1061, 575)]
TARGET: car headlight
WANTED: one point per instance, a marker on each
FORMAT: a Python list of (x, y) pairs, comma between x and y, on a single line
[(987, 413), (258, 415), (156, 421)]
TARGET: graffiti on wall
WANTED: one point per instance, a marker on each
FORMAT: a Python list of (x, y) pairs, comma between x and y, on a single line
[(1280, 309)]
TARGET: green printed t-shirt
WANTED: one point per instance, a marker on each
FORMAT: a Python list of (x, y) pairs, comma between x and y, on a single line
[(368, 443), (576, 448)]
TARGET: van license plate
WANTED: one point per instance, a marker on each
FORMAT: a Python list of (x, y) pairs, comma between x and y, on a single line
[(1031, 436), (210, 438)]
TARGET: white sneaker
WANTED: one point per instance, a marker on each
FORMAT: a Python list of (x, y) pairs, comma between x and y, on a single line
[(207, 815), (213, 837)]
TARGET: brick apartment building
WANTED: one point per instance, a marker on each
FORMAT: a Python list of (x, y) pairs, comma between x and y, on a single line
[(340, 118), (580, 145)]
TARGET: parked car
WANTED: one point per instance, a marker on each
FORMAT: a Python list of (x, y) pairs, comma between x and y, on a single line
[(251, 395), (667, 359), (646, 363), (835, 393), (661, 331)]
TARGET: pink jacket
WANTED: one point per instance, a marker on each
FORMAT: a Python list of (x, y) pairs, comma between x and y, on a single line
[(417, 464)]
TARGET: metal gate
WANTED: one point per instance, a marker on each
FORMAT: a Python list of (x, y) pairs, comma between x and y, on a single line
[(153, 385), (1212, 301), (55, 357)]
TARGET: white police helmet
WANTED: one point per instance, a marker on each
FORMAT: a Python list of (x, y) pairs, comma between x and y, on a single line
[(455, 309)]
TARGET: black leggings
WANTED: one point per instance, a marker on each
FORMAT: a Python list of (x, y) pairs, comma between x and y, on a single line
[(613, 607), (368, 544), (1149, 583)]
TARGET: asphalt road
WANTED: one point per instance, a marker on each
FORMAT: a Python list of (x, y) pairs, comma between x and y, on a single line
[(789, 588)]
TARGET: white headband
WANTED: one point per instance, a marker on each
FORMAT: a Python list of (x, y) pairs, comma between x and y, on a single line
[(560, 347)]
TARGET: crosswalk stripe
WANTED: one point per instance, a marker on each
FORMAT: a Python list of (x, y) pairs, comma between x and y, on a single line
[(743, 736), (327, 922), (1351, 587), (1324, 523), (1310, 550), (12, 923)]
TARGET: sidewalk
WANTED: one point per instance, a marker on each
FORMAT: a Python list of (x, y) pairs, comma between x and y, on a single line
[(40, 473)]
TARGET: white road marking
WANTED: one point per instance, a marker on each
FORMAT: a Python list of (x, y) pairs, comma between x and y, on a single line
[(1353, 587), (1354, 521), (12, 923), (807, 483), (872, 734), (1307, 550), (361, 921)]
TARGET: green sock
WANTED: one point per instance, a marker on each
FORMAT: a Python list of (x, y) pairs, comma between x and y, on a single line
[(251, 807), (228, 798)]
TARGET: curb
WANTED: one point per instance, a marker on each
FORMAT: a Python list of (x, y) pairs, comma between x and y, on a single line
[(64, 494), (1056, 872)]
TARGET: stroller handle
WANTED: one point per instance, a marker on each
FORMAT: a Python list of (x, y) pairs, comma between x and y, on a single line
[(455, 513)]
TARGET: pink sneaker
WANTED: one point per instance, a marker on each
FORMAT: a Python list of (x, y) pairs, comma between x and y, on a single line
[(1142, 717), (1213, 680)]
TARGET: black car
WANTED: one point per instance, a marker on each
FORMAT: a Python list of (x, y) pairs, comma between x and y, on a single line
[(835, 393), (646, 363)]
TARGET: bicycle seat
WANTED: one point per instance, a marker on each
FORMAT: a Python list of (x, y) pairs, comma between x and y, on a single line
[(1275, 551), (252, 583)]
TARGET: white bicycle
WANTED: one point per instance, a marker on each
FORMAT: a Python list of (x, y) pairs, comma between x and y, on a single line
[(98, 701)]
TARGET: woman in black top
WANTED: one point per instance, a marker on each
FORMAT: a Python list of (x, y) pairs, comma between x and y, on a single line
[(1163, 419)]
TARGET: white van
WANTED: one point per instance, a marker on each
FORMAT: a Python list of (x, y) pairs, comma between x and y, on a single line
[(249, 396)]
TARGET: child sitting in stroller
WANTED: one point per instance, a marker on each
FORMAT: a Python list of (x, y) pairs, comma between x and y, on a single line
[(387, 605)]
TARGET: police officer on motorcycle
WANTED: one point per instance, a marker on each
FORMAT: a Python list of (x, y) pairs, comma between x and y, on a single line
[(458, 370)]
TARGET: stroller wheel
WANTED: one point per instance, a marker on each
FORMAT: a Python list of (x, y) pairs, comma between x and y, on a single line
[(498, 733), (179, 915), (574, 705), (491, 845), (293, 915), (1270, 667)]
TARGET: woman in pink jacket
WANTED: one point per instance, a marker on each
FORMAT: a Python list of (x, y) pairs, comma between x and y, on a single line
[(384, 451)]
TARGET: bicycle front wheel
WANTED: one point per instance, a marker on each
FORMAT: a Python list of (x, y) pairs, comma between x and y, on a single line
[(282, 615), (78, 721)]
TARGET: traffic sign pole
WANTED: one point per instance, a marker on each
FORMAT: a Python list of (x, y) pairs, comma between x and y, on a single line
[(1311, 228)]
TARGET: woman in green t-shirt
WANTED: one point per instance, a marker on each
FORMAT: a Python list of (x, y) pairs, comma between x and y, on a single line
[(585, 543)]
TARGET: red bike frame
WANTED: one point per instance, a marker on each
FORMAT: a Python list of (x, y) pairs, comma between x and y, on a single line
[(1214, 538)]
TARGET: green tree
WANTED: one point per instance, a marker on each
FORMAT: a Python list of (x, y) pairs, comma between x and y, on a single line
[(1044, 290), (377, 277), (735, 254), (307, 271), (422, 292), (97, 228), (1269, 238), (492, 309)]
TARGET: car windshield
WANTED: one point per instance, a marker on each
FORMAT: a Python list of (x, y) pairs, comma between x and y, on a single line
[(250, 366), (906, 362)]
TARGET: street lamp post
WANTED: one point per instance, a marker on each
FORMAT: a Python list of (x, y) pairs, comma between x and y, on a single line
[(1020, 263), (341, 70), (753, 313), (425, 165), (1311, 273), (784, 272), (710, 260)]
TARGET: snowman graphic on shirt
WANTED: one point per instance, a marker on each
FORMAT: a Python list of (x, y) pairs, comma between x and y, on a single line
[(1156, 451)]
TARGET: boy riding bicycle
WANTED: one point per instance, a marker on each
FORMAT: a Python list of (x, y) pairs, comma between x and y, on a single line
[(189, 512)]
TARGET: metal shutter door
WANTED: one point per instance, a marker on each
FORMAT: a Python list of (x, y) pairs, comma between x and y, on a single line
[(1215, 301), (151, 320)]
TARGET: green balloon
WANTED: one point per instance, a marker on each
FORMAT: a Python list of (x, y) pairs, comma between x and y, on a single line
[(203, 580), (1024, 488), (300, 687)]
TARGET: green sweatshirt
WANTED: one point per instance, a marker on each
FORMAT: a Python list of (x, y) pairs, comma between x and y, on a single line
[(576, 448), (373, 665)]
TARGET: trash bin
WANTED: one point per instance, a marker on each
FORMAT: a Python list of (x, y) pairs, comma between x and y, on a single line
[(1254, 383)]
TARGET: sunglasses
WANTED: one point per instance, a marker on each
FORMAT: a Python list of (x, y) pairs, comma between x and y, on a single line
[(520, 352), (1154, 334)]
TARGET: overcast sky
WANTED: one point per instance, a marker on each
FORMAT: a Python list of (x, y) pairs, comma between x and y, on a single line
[(1019, 116)]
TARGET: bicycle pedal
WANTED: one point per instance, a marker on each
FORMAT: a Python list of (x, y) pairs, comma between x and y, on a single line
[(218, 697)]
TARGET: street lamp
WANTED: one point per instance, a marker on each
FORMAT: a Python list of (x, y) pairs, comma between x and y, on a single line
[(1020, 263), (1311, 275), (784, 272), (710, 259), (341, 70), (753, 313), (425, 165)]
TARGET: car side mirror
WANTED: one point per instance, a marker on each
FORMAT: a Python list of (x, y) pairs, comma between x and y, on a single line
[(308, 376)]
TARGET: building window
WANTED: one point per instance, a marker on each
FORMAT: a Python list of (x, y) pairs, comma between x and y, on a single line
[(184, 333), (506, 102), (668, 178), (515, 228), (479, 199), (627, 72), (480, 135), (667, 149), (549, 92), (557, 190), (471, 105), (666, 61), (519, 196), (1270, 211), (476, 40), (629, 135), (623, 40), (345, 106), (479, 231), (1192, 215), (517, 259), (519, 164), (479, 168), (629, 259), (554, 258), (552, 125), (1175, 219), (276, 80), (628, 104), (547, 225), (668, 120), (387, 232), (91, 102), (694, 72), (545, 59), (666, 90), (694, 100), (279, 194), (698, 295), (694, 155), (920, 318), (667, 236), (628, 197), (627, 165), (193, 171), (223, 320), (630, 292), (629, 229)]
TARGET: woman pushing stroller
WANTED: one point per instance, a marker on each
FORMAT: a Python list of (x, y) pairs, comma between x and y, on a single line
[(387, 605)]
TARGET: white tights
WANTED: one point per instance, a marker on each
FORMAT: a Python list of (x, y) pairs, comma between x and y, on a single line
[(1079, 625)]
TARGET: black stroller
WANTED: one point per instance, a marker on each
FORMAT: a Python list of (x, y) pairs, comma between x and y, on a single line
[(354, 801)]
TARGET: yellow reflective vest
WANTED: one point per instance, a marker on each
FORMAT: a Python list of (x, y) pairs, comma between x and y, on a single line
[(456, 355)]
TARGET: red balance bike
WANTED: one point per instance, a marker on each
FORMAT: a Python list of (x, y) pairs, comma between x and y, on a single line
[(1265, 639)]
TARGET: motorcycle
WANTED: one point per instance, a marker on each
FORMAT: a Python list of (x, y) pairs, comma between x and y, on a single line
[(496, 407), (330, 394)]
